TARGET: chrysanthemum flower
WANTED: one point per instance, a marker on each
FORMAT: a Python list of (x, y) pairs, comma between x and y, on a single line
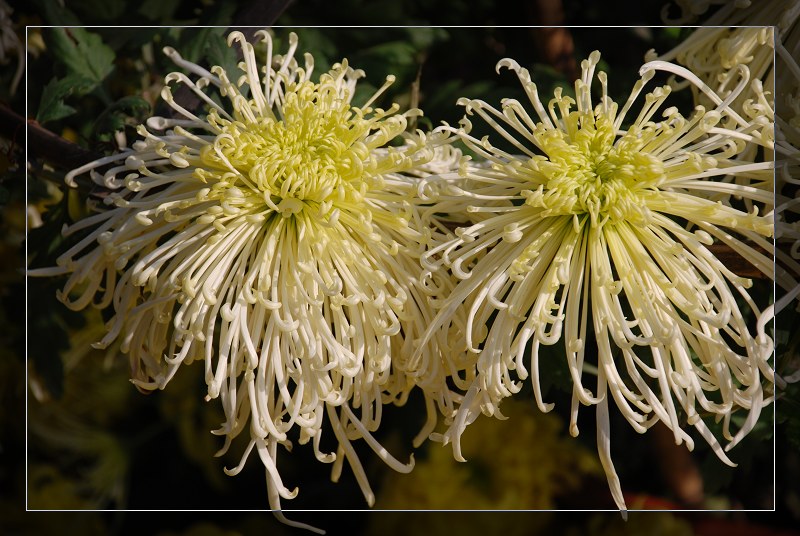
[(712, 52), (275, 237), (740, 34), (754, 35), (595, 231)]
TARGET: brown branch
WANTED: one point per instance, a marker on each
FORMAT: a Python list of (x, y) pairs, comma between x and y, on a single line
[(553, 42), (41, 142), (736, 263), (678, 468)]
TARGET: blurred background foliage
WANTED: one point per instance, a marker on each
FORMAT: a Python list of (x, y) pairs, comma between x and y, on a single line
[(94, 442)]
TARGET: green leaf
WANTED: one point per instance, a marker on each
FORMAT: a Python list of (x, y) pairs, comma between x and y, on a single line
[(398, 53), (82, 53), (219, 53), (424, 38), (194, 42), (52, 106), (126, 112)]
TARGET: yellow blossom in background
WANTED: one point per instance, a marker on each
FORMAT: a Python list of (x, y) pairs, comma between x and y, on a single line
[(523, 463), (595, 231), (78, 425), (274, 237)]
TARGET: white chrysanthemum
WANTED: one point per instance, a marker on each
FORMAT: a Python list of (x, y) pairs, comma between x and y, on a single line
[(755, 34), (716, 55), (737, 64), (597, 233), (712, 52), (276, 238)]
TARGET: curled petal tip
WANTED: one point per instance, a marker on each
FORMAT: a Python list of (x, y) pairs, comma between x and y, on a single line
[(235, 36), (507, 63)]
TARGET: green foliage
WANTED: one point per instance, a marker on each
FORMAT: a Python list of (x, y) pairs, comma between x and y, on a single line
[(81, 52), (55, 13), (217, 52), (126, 112), (324, 45), (194, 43), (101, 10), (45, 352), (84, 61), (52, 106)]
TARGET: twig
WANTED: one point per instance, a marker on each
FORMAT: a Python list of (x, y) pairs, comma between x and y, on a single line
[(41, 142), (736, 263)]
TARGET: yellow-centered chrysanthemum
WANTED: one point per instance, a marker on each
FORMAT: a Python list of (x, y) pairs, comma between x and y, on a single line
[(276, 238), (758, 36), (595, 230)]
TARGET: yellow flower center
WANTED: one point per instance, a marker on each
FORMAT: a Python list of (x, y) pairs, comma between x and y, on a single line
[(315, 154), (585, 171)]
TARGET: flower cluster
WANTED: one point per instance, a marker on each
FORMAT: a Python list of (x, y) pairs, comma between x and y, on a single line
[(322, 260), (598, 233), (276, 239), (737, 57), (765, 44)]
